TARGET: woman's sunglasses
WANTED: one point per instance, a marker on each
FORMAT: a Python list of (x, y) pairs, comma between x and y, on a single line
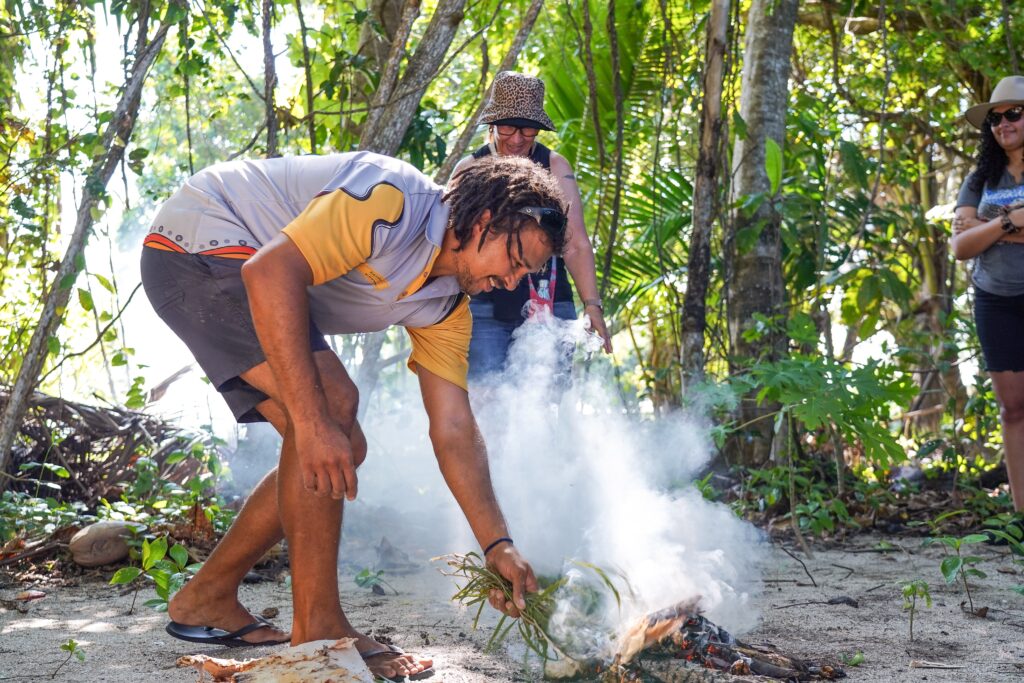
[(1012, 115), (552, 220)]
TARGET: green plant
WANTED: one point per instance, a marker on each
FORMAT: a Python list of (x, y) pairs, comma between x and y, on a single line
[(168, 569), (856, 659), (960, 566), (821, 395), (28, 516), (373, 581), (911, 592), (819, 512), (706, 488), (1007, 527), (73, 650)]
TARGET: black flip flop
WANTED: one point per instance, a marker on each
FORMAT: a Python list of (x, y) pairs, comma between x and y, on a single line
[(216, 636), (385, 649)]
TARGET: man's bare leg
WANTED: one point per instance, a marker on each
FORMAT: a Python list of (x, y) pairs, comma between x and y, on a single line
[(211, 597), (313, 527)]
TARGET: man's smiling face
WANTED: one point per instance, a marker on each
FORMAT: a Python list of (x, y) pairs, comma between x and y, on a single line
[(492, 266)]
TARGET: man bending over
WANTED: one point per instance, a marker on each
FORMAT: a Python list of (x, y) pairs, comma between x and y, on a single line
[(250, 263)]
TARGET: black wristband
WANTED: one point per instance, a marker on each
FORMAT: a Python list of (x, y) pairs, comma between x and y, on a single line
[(503, 539)]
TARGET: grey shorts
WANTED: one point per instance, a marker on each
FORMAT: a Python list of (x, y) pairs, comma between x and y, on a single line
[(203, 300)]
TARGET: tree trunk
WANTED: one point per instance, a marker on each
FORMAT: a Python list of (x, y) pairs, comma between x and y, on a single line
[(705, 197), (394, 108), (307, 70), (620, 120), (115, 139), (754, 283), (269, 79), (507, 62), (391, 113), (369, 368)]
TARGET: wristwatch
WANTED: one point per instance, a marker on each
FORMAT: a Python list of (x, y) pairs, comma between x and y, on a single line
[(1008, 225), (594, 302)]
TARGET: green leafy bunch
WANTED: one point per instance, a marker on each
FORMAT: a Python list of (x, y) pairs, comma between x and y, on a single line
[(821, 395)]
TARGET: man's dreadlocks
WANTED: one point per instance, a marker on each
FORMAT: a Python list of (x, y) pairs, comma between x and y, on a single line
[(504, 185)]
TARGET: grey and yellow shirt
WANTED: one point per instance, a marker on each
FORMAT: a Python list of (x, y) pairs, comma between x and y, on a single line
[(369, 226)]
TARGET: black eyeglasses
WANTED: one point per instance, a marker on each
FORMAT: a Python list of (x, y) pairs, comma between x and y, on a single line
[(552, 220), (1012, 115), (509, 131)]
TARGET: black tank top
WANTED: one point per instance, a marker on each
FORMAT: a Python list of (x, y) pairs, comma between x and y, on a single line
[(508, 305)]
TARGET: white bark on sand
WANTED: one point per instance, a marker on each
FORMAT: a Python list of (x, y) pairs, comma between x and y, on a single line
[(319, 661)]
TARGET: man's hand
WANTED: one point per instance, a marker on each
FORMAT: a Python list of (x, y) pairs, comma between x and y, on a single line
[(597, 324), (326, 461), (507, 561)]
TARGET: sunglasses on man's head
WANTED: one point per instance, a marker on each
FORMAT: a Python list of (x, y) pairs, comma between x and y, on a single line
[(1012, 115), (551, 220), (509, 131)]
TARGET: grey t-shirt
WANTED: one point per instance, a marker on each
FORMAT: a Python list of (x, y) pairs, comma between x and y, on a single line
[(1000, 268)]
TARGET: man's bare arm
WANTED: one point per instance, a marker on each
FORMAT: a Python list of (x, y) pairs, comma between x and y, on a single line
[(462, 457), (276, 278)]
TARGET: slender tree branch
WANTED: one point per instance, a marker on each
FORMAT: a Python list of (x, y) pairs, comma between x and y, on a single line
[(507, 62), (202, 9), (307, 68), (613, 47), (97, 340), (269, 78)]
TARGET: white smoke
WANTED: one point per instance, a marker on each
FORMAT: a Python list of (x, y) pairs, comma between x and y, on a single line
[(579, 479), (583, 480)]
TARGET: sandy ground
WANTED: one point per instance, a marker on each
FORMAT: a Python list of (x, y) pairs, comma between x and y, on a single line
[(122, 647)]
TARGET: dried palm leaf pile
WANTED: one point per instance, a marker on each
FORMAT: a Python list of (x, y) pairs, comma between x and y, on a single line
[(673, 644), (83, 452)]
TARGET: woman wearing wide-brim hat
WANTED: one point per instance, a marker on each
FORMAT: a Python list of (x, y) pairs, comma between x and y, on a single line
[(988, 228), (514, 115)]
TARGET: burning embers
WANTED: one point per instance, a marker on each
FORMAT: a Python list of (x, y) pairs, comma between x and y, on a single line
[(660, 641), (681, 633)]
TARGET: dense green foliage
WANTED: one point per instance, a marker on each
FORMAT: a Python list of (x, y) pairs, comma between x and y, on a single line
[(878, 314)]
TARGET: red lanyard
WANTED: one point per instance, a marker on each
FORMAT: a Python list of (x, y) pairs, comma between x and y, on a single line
[(545, 298)]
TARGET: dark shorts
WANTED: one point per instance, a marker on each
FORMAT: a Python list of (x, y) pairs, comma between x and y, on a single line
[(1000, 324), (203, 300)]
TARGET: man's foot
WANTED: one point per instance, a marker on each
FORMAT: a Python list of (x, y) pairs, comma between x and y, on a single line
[(191, 607), (390, 662)]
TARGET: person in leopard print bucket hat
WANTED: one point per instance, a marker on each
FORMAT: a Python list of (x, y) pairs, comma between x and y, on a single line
[(514, 116)]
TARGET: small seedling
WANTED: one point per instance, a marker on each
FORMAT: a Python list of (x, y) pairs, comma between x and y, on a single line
[(73, 650), (855, 659), (960, 566), (911, 592), (167, 569), (373, 581)]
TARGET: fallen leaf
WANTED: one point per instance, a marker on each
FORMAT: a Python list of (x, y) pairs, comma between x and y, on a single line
[(29, 595)]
